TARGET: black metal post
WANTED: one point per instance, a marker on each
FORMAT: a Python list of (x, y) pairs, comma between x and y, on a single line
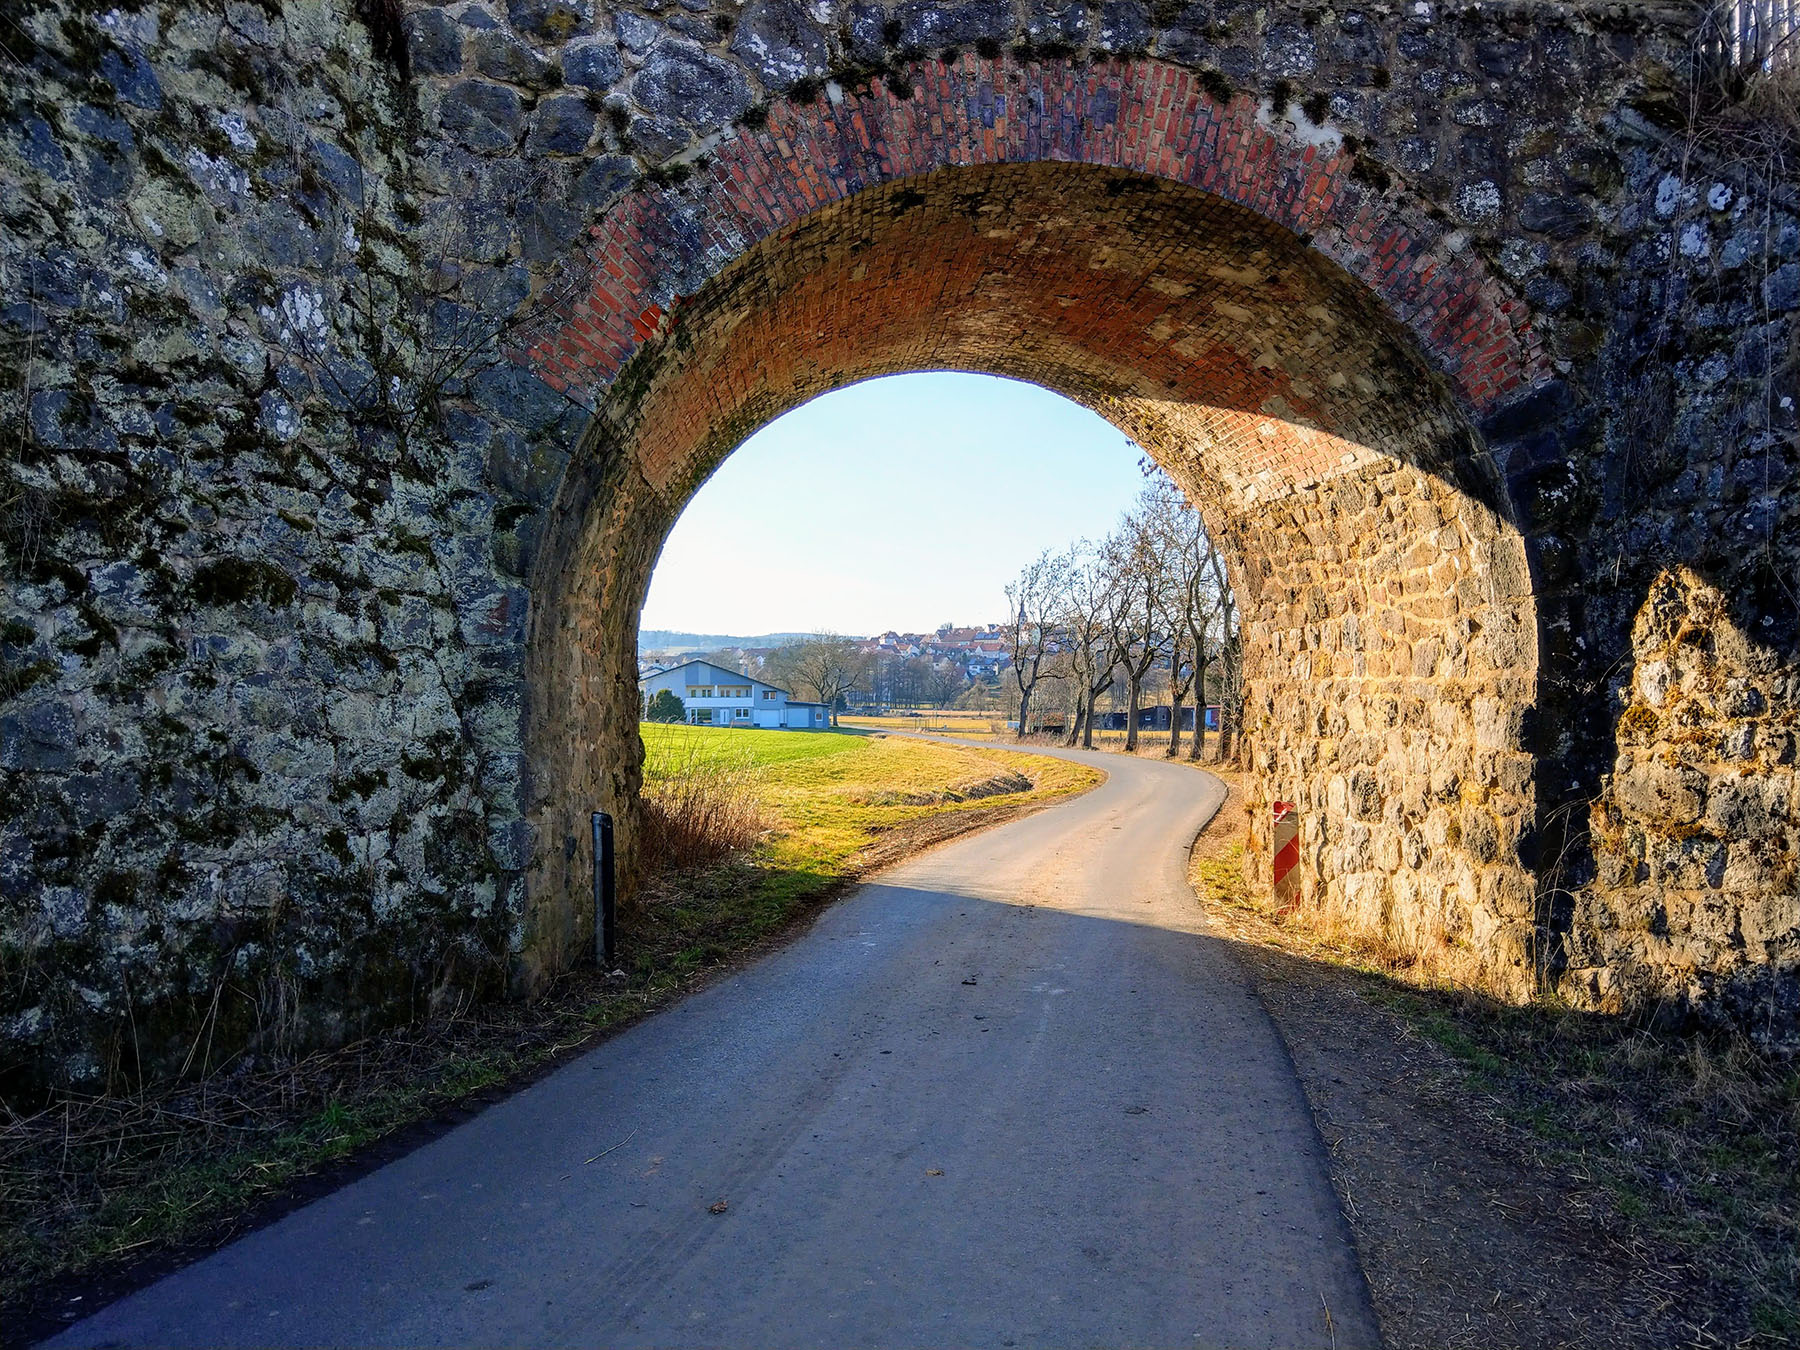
[(605, 889)]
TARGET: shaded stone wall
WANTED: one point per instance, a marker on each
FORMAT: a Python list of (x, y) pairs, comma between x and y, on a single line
[(1694, 902), (260, 756), (1667, 863), (344, 410)]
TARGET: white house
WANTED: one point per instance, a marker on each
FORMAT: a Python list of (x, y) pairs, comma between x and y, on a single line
[(714, 696)]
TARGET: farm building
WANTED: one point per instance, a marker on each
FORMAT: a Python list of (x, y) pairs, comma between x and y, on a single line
[(715, 696)]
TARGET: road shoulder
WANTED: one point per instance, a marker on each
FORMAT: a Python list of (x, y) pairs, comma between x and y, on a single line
[(1469, 1232)]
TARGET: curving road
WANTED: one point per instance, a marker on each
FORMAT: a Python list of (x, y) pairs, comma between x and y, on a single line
[(1009, 1094)]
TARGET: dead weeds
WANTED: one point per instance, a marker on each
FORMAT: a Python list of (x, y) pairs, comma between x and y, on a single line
[(1529, 1174)]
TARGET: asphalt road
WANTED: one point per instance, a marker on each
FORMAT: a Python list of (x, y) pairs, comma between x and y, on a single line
[(1011, 1094)]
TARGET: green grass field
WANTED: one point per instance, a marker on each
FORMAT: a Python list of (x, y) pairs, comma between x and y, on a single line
[(670, 747), (829, 796)]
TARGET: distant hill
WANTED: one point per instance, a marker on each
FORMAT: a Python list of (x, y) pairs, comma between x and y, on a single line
[(668, 640)]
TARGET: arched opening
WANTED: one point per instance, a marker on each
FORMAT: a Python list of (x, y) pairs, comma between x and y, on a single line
[(1389, 627), (904, 502)]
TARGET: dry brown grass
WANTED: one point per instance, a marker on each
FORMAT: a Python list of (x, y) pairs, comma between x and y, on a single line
[(1750, 114), (699, 808), (1682, 1150), (1426, 959), (92, 1182)]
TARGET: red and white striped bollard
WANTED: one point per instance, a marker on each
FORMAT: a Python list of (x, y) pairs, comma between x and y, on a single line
[(1284, 843)]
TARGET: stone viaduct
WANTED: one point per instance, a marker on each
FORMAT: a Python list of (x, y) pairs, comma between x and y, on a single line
[(358, 360)]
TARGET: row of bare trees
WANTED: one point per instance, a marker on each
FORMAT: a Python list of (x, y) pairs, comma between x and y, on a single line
[(1150, 603), (916, 681)]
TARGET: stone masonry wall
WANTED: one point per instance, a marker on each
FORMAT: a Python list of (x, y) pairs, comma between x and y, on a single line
[(1668, 862), (343, 410), (263, 610), (1392, 647), (1620, 280), (1695, 902), (1386, 691)]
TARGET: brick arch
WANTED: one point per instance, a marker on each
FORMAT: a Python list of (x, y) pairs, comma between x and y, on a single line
[(656, 247), (1390, 625)]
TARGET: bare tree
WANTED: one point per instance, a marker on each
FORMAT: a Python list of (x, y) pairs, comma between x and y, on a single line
[(1198, 610), (828, 666), (947, 681), (1137, 557), (882, 666), (1091, 619), (1207, 627), (915, 679), (1033, 601), (1180, 597), (1152, 602), (1181, 682), (982, 696)]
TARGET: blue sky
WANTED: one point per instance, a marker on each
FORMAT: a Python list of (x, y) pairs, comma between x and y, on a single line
[(903, 502)]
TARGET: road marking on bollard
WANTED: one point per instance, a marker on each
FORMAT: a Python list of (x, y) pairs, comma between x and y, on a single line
[(1284, 842)]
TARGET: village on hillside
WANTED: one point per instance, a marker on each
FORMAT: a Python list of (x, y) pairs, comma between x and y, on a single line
[(979, 654)]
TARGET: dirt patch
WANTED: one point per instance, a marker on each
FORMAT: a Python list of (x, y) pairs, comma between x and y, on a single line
[(996, 785), (1465, 1241), (903, 841), (1526, 1176)]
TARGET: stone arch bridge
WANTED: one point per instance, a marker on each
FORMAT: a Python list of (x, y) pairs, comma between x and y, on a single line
[(359, 361)]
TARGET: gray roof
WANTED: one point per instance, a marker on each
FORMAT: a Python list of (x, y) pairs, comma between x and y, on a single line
[(698, 661)]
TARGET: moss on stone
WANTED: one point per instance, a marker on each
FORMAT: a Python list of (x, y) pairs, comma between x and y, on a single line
[(16, 679), (358, 785), (117, 888), (234, 581), (102, 632), (339, 843), (1370, 173), (406, 541)]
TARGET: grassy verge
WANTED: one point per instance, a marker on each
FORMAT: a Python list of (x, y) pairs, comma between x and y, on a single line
[(92, 1185), (1684, 1149), (840, 804), (990, 726)]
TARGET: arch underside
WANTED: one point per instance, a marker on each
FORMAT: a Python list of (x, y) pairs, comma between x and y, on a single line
[(1390, 636)]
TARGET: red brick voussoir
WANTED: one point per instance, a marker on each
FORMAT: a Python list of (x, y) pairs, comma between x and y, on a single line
[(1143, 115)]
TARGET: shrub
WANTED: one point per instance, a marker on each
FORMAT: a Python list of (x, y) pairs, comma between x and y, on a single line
[(698, 808), (665, 707)]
